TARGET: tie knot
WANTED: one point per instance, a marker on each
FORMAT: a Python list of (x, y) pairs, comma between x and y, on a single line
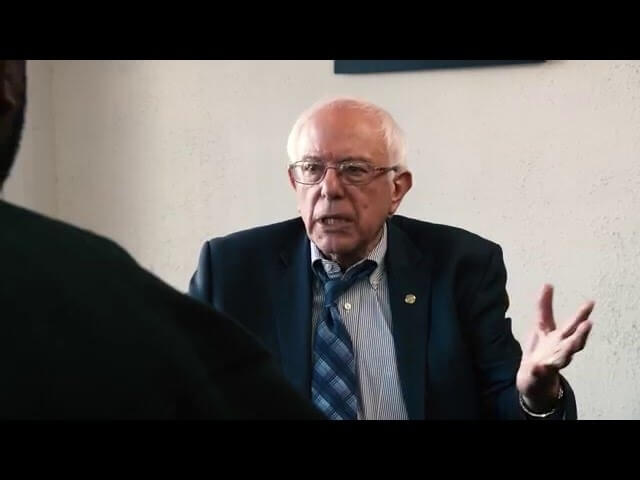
[(334, 287)]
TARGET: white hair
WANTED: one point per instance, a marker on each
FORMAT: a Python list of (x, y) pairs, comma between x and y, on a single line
[(391, 132)]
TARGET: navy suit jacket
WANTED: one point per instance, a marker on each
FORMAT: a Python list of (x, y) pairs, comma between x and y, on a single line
[(456, 354)]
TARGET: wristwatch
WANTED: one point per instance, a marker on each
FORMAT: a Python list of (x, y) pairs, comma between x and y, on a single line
[(524, 407)]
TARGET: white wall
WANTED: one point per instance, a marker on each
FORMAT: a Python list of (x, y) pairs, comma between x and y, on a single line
[(542, 159)]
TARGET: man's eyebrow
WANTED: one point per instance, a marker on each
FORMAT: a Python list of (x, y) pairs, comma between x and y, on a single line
[(313, 158), (355, 159)]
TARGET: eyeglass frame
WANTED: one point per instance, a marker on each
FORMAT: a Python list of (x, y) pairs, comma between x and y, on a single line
[(377, 171)]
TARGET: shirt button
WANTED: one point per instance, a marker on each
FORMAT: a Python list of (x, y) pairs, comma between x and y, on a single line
[(347, 306)]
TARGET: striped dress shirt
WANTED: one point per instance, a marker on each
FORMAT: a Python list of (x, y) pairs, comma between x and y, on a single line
[(366, 312)]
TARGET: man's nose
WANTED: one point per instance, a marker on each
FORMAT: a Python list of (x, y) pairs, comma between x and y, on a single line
[(331, 186)]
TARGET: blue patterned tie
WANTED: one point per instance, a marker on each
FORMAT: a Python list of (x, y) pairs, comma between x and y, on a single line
[(334, 385)]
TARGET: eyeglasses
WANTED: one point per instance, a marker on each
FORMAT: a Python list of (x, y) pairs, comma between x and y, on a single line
[(352, 172)]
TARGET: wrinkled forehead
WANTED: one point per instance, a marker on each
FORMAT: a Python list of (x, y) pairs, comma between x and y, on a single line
[(336, 133)]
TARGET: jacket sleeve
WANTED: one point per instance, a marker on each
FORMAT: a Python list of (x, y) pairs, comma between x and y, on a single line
[(496, 352)]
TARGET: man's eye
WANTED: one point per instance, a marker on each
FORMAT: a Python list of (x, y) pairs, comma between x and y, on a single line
[(353, 169), (311, 167)]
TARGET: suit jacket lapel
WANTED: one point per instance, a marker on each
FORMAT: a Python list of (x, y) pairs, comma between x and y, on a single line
[(409, 274), (293, 312)]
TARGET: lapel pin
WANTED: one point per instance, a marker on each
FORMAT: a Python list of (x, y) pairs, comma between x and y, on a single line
[(410, 298)]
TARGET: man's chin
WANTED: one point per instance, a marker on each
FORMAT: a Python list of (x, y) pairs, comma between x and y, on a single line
[(335, 248)]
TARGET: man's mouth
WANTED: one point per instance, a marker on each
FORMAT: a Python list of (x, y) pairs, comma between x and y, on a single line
[(334, 220)]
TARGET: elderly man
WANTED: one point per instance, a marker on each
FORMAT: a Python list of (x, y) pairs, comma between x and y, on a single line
[(85, 333), (378, 316)]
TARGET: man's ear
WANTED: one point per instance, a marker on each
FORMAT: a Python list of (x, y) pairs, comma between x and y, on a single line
[(402, 183)]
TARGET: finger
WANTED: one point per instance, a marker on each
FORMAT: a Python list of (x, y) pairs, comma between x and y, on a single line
[(579, 338), (532, 341), (571, 346), (545, 310), (561, 357), (581, 316), (562, 361)]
